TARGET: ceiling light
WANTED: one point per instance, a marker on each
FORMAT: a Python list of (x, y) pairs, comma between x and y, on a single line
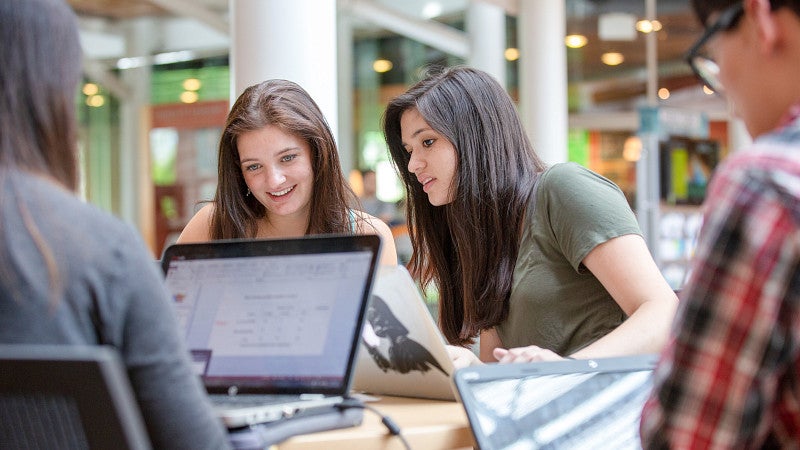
[(511, 54), (575, 40), (612, 58), (431, 10), (95, 101), (189, 97), (131, 63), (90, 89), (648, 26), (192, 84), (644, 26), (382, 65), (663, 93)]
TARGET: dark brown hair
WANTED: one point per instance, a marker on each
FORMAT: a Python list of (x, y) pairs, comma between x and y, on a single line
[(286, 105), (40, 67), (467, 248)]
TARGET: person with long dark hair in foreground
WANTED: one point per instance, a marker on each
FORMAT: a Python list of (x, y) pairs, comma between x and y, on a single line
[(70, 273)]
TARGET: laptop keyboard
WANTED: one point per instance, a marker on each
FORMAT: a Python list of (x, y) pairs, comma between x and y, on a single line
[(254, 400)]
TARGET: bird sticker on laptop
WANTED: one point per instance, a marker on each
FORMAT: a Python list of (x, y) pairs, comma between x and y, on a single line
[(389, 344)]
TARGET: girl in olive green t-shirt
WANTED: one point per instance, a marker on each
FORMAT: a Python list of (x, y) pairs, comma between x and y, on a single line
[(540, 263)]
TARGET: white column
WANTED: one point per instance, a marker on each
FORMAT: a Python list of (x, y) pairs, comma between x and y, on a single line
[(293, 40), (348, 157), (648, 196), (543, 77), (486, 28), (136, 189)]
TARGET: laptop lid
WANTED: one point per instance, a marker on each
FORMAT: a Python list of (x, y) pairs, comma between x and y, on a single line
[(593, 403), (402, 351), (276, 316)]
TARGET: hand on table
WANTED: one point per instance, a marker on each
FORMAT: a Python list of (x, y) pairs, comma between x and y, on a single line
[(525, 354), (462, 357)]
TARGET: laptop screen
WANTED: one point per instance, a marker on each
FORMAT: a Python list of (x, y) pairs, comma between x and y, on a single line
[(554, 405), (282, 321)]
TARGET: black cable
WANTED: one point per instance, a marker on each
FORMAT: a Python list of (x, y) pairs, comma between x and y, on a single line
[(387, 421)]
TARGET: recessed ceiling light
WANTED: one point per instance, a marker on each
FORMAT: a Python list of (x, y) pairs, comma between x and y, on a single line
[(575, 40), (612, 58)]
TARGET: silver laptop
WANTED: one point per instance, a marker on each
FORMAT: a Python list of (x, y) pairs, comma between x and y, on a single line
[(273, 326), (592, 404), (402, 351)]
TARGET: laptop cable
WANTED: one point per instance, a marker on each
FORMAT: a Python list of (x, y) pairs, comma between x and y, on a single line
[(394, 429)]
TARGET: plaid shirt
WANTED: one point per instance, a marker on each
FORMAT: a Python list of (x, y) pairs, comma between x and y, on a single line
[(730, 377)]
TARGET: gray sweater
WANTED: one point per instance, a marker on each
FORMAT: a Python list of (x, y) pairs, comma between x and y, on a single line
[(110, 292)]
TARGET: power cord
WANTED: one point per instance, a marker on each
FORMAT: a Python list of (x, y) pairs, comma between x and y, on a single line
[(394, 429)]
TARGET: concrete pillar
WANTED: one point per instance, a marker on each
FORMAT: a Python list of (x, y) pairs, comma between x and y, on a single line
[(543, 77), (136, 200), (486, 29), (348, 151), (648, 196), (294, 40)]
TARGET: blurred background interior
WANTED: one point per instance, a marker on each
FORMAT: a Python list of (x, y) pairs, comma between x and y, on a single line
[(158, 86)]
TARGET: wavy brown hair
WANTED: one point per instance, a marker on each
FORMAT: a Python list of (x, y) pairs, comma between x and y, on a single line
[(286, 105), (467, 248)]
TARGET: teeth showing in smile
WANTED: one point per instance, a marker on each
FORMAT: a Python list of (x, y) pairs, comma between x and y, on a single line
[(281, 193), (426, 181)]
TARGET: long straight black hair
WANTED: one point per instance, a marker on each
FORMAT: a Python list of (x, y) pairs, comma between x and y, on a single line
[(467, 248)]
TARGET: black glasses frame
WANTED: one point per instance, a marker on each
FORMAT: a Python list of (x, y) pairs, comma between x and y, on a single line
[(726, 21)]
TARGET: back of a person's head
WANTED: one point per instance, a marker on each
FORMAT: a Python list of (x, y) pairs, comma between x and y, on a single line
[(705, 8), (40, 67)]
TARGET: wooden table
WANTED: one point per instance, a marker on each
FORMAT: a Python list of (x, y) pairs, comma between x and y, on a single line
[(426, 424)]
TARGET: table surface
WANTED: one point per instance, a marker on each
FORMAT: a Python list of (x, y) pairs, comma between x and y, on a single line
[(426, 424)]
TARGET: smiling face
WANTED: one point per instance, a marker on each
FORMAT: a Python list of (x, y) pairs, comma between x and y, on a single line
[(432, 158), (277, 169)]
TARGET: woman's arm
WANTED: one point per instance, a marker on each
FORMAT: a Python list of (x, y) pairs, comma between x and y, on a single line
[(199, 227), (626, 269)]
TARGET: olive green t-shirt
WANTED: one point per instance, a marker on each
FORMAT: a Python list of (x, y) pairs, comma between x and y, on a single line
[(556, 303)]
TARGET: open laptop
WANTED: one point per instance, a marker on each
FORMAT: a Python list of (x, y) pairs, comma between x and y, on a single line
[(273, 326), (593, 404), (402, 351)]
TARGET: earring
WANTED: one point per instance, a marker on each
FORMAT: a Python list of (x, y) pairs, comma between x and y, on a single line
[(248, 193)]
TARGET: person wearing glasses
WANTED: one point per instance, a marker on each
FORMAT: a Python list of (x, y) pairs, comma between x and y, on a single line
[(730, 376)]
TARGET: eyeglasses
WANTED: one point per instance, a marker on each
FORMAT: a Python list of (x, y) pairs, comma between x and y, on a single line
[(701, 63)]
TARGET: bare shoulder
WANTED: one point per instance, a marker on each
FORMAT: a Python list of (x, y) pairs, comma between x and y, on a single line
[(199, 227), (367, 224)]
